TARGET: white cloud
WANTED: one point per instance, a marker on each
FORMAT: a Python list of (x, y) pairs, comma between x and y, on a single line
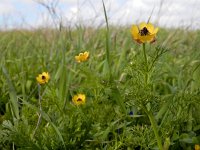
[(120, 12), (6, 7), (69, 1), (27, 1)]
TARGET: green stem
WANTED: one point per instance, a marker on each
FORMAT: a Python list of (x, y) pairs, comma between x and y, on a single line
[(40, 113), (107, 41), (155, 129), (146, 63)]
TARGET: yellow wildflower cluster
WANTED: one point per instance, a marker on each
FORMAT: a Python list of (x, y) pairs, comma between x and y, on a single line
[(143, 33)]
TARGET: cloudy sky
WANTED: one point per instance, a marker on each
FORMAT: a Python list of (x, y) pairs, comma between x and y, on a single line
[(33, 14)]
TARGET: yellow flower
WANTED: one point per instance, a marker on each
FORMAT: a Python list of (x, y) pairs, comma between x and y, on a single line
[(43, 78), (144, 33), (79, 99), (82, 57), (197, 147)]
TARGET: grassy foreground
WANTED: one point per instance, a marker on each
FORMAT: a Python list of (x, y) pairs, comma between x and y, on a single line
[(121, 105)]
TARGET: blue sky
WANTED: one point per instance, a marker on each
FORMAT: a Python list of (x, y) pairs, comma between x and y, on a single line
[(30, 14)]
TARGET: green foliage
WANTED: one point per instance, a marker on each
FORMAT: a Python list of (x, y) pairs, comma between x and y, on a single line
[(115, 115)]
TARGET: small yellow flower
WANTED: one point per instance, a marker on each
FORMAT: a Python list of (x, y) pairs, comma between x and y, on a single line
[(144, 33), (43, 78), (197, 147), (82, 57), (79, 99)]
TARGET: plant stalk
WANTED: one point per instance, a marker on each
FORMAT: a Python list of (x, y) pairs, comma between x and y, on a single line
[(155, 129), (107, 42), (40, 113), (146, 63)]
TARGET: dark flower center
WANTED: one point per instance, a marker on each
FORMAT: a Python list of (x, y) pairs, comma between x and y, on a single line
[(79, 99), (130, 113), (43, 77), (144, 31)]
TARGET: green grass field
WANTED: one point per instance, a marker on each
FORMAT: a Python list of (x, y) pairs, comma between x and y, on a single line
[(127, 106)]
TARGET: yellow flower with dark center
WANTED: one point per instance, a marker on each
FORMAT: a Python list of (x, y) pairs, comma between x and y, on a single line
[(197, 147), (82, 57), (43, 78), (79, 99), (144, 33)]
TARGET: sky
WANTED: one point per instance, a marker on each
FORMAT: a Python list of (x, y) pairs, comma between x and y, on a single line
[(32, 14)]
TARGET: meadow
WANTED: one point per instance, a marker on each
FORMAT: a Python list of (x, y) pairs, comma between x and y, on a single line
[(134, 99)]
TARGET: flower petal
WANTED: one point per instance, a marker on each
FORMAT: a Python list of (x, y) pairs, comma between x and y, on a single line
[(40, 80), (142, 25), (155, 30), (150, 28), (86, 55), (81, 54), (82, 96), (147, 38), (134, 31), (78, 99)]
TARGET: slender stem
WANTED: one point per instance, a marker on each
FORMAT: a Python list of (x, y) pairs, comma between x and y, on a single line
[(146, 63), (155, 129), (107, 41), (40, 113)]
